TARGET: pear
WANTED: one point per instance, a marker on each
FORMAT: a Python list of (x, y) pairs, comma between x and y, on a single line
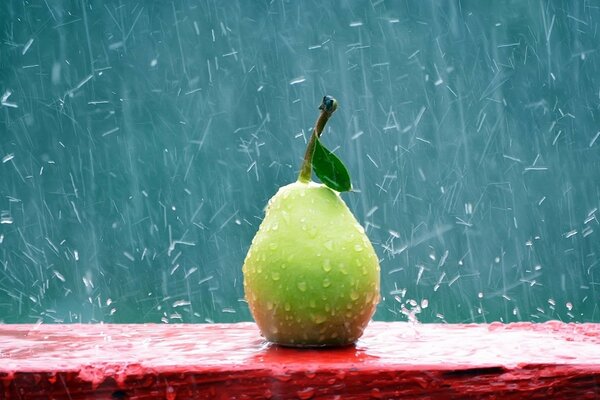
[(311, 275)]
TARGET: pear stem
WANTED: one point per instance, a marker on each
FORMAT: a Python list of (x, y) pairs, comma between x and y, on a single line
[(327, 107)]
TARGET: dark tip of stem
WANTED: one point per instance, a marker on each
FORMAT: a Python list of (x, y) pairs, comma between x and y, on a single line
[(329, 104)]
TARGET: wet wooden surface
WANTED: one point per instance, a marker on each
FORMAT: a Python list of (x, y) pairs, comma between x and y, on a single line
[(392, 360)]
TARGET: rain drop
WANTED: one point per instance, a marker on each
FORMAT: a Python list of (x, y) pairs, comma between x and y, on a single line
[(306, 393), (343, 269)]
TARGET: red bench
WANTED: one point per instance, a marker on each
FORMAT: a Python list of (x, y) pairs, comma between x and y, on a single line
[(223, 361)]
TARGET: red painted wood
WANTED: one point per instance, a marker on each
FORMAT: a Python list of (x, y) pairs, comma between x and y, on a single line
[(392, 360)]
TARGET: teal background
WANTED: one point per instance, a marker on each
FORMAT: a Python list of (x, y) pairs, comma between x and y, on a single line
[(140, 142)]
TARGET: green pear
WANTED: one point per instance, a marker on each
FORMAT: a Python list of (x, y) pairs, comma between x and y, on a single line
[(311, 276)]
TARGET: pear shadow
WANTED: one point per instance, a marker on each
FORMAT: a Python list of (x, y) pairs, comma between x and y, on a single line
[(275, 354)]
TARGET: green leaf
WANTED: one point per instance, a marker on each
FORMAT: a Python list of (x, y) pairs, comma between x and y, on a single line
[(330, 169)]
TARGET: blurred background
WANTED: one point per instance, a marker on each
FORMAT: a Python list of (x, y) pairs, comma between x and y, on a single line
[(141, 141)]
